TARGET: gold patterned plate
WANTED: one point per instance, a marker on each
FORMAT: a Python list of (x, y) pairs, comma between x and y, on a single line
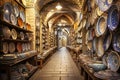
[(5, 47), (14, 34), (6, 32), (11, 47)]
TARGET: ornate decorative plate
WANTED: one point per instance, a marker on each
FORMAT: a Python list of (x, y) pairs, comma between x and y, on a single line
[(11, 47), (101, 26), (6, 32), (104, 5), (16, 10), (13, 19), (107, 40), (14, 34), (5, 47), (116, 42), (113, 17), (19, 47), (22, 16), (113, 61), (7, 9)]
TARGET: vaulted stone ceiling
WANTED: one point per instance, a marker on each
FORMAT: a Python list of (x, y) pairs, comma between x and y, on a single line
[(69, 12)]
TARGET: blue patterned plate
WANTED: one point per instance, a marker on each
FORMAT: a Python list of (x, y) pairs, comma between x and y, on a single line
[(113, 17), (113, 61), (7, 9), (116, 42), (107, 40)]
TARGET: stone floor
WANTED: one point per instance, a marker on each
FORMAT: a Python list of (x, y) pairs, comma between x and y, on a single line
[(60, 67)]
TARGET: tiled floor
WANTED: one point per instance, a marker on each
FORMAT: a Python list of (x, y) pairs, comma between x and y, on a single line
[(59, 67)]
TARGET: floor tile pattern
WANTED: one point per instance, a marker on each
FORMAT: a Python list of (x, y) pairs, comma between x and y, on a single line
[(59, 67)]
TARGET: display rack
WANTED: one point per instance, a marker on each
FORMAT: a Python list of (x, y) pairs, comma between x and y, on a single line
[(38, 34), (17, 49)]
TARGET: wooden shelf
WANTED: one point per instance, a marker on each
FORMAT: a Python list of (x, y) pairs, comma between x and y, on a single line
[(17, 40), (17, 61), (14, 26)]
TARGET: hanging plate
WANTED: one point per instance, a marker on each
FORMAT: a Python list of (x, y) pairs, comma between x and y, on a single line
[(11, 47), (113, 17), (116, 42), (19, 47), (20, 23), (101, 26), (23, 47), (107, 40), (14, 34), (16, 10), (22, 16), (5, 47), (100, 49), (113, 61), (104, 5), (104, 58), (13, 19), (7, 9), (22, 36), (6, 32)]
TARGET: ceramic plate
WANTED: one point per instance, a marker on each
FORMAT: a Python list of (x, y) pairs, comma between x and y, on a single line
[(113, 17), (116, 42), (19, 47), (107, 40), (16, 10), (104, 5), (104, 58), (94, 44), (6, 32), (13, 19), (28, 44), (7, 9), (101, 26), (28, 26), (22, 16), (113, 61), (11, 47), (20, 22), (14, 34), (22, 36), (5, 47), (23, 47), (100, 49), (107, 74)]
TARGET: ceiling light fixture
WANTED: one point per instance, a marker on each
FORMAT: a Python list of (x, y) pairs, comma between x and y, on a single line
[(58, 7)]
